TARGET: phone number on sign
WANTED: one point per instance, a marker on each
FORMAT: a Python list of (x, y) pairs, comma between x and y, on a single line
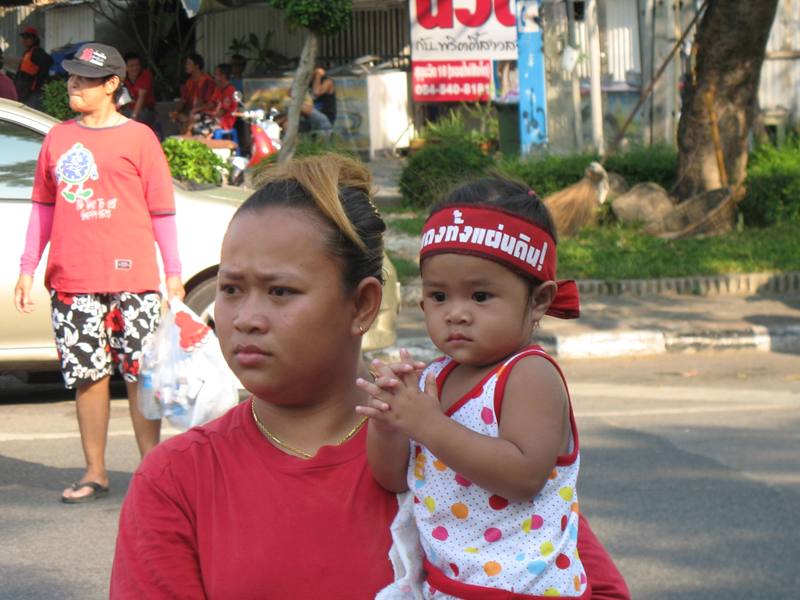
[(451, 89)]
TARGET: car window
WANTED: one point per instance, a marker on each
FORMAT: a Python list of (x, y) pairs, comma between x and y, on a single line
[(19, 149)]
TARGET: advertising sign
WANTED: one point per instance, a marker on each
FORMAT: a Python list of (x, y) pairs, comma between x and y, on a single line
[(453, 44), (451, 80), (530, 66)]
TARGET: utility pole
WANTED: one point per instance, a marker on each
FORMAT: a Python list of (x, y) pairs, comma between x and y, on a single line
[(595, 75)]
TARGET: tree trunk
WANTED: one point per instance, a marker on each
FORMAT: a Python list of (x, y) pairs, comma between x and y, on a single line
[(302, 78), (731, 43)]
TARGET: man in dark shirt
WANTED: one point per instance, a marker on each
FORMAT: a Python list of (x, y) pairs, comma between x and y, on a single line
[(323, 92), (33, 69)]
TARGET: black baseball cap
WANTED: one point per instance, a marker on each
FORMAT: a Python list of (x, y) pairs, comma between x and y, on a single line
[(96, 60)]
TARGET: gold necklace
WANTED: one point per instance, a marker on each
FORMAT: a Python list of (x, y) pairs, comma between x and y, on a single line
[(297, 451)]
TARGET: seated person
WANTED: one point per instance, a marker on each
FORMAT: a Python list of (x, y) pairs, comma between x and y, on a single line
[(323, 93), (139, 82), (225, 104), (196, 94), (312, 120)]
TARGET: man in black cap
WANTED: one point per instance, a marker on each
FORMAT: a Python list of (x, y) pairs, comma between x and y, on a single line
[(102, 198), (33, 70)]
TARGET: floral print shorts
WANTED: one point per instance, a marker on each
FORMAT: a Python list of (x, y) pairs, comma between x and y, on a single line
[(95, 331)]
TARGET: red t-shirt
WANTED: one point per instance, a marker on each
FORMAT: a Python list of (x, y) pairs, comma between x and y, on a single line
[(143, 82), (225, 106), (219, 512), (196, 93), (7, 88), (105, 185)]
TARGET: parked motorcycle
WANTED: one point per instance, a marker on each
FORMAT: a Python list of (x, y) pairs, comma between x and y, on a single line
[(265, 140)]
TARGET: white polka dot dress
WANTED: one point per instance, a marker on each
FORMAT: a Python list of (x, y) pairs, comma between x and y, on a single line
[(473, 539)]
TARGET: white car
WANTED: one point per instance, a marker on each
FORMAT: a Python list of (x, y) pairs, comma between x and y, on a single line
[(26, 341)]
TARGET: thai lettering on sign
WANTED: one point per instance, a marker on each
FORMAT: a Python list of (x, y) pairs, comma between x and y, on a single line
[(453, 41)]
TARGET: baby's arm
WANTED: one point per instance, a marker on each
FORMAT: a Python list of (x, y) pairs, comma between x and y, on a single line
[(387, 447), (387, 451), (534, 431)]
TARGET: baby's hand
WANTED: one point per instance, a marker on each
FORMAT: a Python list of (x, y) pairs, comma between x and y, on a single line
[(396, 402), (407, 369)]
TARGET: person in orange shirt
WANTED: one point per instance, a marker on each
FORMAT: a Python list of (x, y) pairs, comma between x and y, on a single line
[(33, 69), (196, 94)]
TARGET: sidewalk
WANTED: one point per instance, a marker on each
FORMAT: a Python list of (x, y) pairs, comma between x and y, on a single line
[(626, 324)]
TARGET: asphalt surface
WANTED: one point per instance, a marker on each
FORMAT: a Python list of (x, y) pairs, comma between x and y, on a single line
[(689, 476)]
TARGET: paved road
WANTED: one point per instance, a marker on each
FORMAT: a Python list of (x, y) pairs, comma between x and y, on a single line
[(690, 475)]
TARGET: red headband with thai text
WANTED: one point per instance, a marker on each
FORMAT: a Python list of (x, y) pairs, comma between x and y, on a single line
[(493, 233)]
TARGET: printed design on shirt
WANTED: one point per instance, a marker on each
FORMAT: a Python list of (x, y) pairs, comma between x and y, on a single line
[(73, 169)]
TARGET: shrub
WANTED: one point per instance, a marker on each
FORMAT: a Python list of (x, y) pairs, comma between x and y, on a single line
[(453, 126), (432, 171), (773, 185), (193, 162), (308, 146), (55, 100), (547, 173), (658, 164)]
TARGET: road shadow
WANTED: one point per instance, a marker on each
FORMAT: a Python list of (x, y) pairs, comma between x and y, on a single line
[(683, 526), (43, 388), (24, 483)]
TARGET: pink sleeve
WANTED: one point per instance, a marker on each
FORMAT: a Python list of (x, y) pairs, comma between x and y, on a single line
[(604, 577), (40, 225), (166, 232), (156, 552)]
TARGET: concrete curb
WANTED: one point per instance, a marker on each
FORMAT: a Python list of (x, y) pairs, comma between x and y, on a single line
[(645, 342), (717, 285)]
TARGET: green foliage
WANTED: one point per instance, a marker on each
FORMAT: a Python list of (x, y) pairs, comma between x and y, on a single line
[(258, 51), (406, 269), (658, 164), (193, 162), (55, 100), (321, 16), (432, 171), (547, 173), (452, 153), (409, 224), (308, 146), (453, 127), (773, 185), (615, 252)]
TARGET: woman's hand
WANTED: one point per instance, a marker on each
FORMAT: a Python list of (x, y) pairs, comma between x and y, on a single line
[(22, 293), (174, 287)]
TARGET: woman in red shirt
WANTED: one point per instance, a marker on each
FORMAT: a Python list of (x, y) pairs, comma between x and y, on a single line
[(275, 499)]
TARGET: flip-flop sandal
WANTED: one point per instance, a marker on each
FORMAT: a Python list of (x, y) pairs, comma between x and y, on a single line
[(98, 491)]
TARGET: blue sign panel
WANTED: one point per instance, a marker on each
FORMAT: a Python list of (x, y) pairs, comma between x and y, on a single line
[(530, 66)]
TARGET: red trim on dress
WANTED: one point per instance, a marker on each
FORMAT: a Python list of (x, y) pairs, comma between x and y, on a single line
[(441, 582)]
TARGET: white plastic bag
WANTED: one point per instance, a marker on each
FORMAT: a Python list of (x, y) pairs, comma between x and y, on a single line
[(183, 375)]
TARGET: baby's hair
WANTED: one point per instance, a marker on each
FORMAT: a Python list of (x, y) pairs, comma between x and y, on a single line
[(336, 190), (502, 192)]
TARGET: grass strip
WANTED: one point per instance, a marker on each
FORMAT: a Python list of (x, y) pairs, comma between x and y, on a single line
[(614, 252)]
